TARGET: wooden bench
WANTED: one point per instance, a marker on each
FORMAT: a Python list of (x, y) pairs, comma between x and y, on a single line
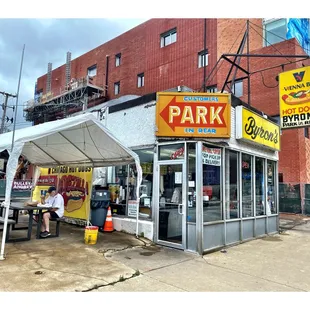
[(9, 227)]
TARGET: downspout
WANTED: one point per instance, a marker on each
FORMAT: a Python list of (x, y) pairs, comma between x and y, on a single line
[(106, 76), (204, 54)]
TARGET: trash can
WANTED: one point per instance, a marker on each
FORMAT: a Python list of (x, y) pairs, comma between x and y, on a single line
[(99, 204)]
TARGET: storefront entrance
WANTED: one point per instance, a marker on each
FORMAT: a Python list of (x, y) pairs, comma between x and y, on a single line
[(172, 204)]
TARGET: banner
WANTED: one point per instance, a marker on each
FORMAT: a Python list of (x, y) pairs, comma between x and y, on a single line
[(74, 184), (294, 90), (211, 156)]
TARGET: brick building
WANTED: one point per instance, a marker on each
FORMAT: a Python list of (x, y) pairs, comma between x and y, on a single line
[(164, 53)]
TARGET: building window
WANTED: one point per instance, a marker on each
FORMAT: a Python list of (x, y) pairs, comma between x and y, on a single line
[(117, 88), (274, 31), (212, 181), (237, 88), (118, 60), (211, 89), (306, 132), (123, 187), (203, 59), (246, 174), (168, 37), (271, 187), (92, 71), (141, 80), (260, 186), (232, 184)]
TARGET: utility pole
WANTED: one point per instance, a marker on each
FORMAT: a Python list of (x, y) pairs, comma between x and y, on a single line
[(5, 105)]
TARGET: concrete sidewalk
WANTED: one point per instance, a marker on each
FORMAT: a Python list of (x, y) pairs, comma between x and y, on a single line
[(121, 262)]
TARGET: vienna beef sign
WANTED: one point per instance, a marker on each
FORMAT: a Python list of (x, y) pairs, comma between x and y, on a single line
[(254, 128), (294, 90), (193, 115)]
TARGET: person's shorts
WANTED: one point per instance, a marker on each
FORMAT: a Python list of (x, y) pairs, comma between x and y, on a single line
[(53, 214)]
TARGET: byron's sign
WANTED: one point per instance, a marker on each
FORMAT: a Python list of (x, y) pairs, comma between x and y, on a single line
[(193, 115), (254, 128), (294, 90)]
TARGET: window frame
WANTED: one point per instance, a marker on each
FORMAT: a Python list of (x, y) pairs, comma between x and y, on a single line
[(212, 89), (89, 69), (266, 32), (200, 58), (118, 59), (168, 34), (118, 85), (140, 82), (233, 87)]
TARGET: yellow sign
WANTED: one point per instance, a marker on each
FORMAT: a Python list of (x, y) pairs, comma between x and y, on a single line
[(193, 115), (294, 89), (74, 184), (254, 128)]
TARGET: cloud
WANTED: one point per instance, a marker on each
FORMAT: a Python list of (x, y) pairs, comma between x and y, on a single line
[(47, 40)]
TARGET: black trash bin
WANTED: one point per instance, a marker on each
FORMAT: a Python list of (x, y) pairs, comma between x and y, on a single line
[(99, 207)]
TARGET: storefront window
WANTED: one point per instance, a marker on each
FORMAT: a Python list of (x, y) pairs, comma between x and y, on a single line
[(260, 186), (123, 190), (118, 190), (232, 184), (271, 189), (146, 161), (191, 193), (247, 201), (171, 151), (211, 169)]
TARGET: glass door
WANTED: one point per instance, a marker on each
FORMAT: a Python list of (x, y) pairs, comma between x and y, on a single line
[(172, 205)]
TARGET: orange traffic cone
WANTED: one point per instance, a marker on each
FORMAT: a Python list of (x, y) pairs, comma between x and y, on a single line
[(108, 225)]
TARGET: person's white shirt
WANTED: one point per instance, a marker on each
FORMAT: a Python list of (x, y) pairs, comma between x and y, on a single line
[(56, 202)]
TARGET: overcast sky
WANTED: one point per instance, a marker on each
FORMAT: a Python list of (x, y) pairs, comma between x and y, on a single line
[(47, 40)]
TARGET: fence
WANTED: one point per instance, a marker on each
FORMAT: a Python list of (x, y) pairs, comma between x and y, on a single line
[(294, 198)]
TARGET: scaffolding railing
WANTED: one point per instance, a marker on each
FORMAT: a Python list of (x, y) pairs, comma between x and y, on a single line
[(73, 85)]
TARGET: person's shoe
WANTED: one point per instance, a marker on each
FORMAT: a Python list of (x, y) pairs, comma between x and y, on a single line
[(45, 234)]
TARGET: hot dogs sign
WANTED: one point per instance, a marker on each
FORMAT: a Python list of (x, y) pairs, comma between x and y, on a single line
[(294, 89), (74, 184)]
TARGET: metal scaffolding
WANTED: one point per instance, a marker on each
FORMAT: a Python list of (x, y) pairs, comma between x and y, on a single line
[(78, 95)]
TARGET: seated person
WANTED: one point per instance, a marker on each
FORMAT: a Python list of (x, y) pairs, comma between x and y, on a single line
[(56, 201)]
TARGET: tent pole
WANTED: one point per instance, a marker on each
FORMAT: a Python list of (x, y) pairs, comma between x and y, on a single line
[(90, 194), (9, 181)]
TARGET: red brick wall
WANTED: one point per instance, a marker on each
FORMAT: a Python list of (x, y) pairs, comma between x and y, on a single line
[(164, 68), (295, 148)]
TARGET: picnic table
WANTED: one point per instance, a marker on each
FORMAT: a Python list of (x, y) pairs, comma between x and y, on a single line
[(30, 209)]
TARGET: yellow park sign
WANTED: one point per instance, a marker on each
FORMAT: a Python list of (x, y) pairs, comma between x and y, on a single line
[(256, 129), (294, 101), (193, 115)]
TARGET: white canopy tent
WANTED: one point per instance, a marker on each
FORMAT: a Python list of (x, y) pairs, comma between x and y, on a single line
[(79, 140)]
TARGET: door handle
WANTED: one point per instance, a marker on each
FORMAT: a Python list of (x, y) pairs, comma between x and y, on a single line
[(181, 213)]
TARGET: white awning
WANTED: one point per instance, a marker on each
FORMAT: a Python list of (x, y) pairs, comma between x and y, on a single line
[(79, 140)]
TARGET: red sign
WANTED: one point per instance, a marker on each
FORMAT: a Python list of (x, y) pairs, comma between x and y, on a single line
[(47, 180)]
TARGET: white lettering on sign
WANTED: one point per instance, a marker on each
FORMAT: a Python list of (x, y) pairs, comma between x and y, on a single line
[(211, 156), (201, 113)]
